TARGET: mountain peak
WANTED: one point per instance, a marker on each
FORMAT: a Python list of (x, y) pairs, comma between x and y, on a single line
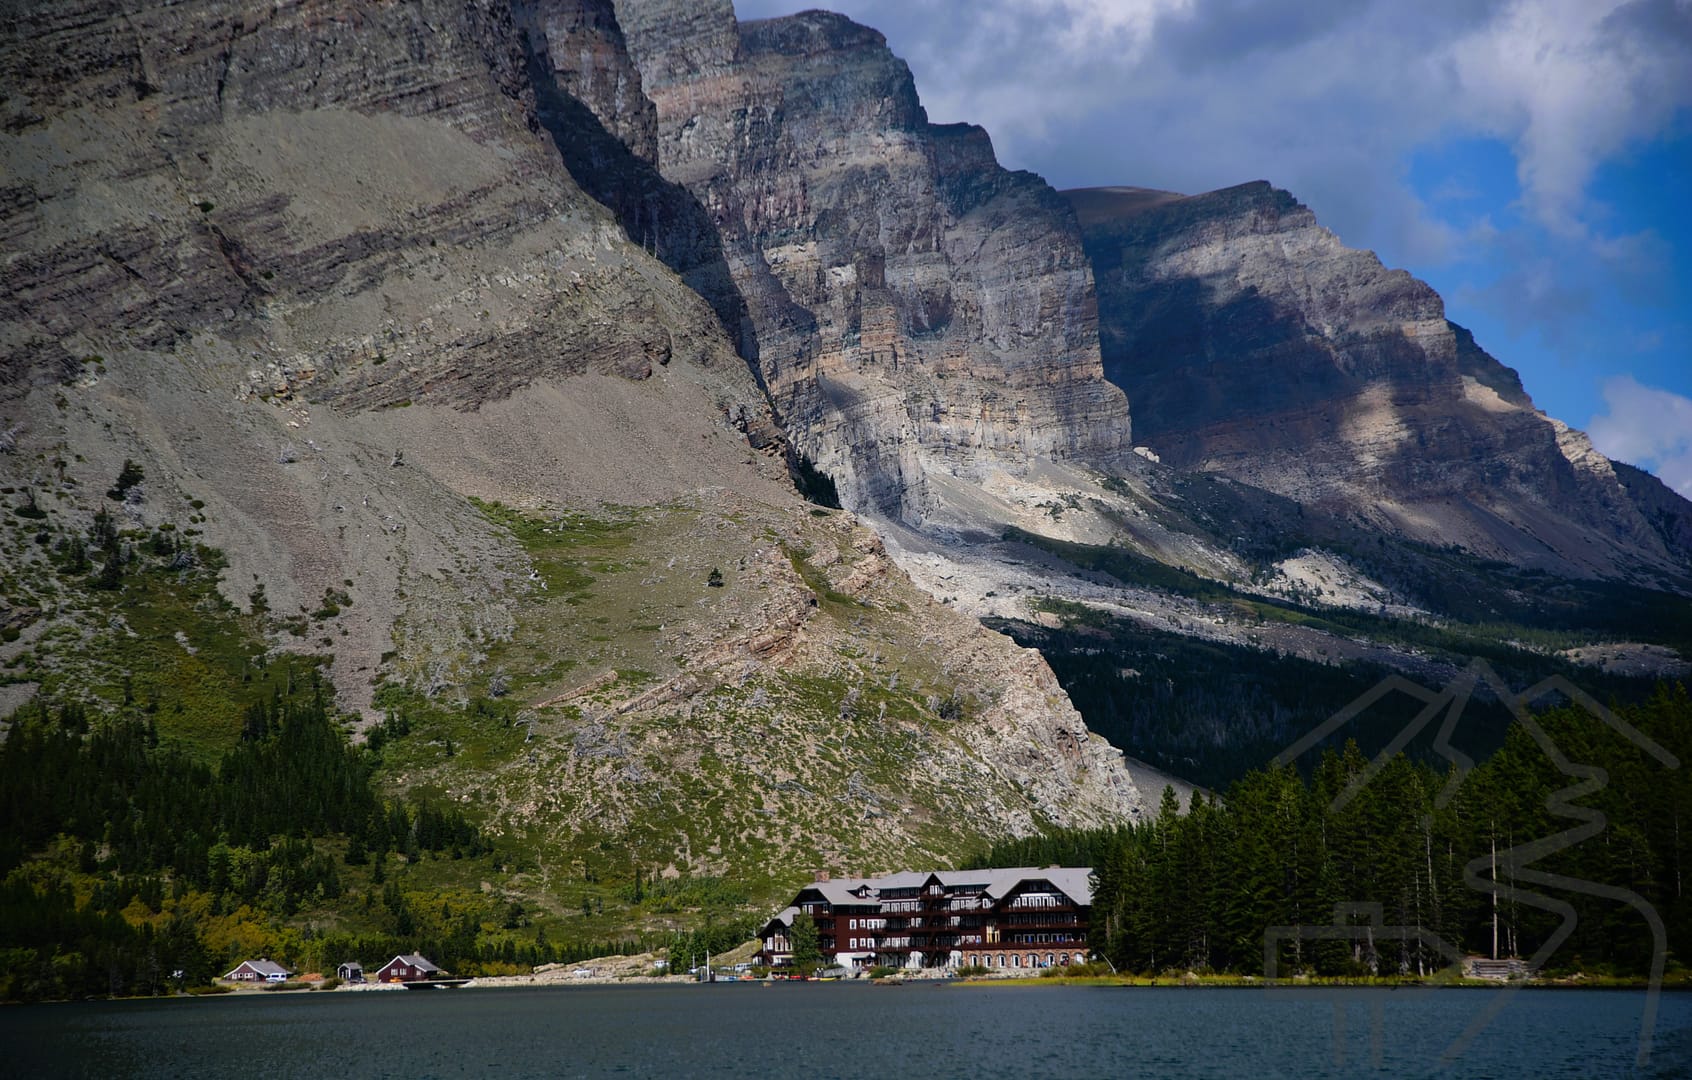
[(809, 33), (1253, 343)]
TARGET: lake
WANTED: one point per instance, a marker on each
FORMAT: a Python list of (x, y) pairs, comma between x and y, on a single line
[(848, 1030)]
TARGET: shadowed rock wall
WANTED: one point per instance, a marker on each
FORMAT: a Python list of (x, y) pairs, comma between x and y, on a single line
[(1253, 343)]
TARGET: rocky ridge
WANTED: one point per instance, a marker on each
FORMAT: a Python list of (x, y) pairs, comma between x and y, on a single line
[(1253, 343), (590, 101), (917, 312)]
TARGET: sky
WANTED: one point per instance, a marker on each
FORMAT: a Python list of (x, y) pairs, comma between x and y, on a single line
[(1530, 159)]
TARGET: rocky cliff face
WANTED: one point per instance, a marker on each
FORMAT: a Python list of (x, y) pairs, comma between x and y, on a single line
[(916, 311), (255, 164), (1253, 343), (589, 100), (329, 271), (266, 252)]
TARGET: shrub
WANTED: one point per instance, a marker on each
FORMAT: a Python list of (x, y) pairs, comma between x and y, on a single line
[(130, 475), (1076, 971), (30, 509)]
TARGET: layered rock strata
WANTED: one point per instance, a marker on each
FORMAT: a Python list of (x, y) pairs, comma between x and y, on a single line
[(323, 271), (589, 100), (268, 252), (917, 311), (1253, 343)]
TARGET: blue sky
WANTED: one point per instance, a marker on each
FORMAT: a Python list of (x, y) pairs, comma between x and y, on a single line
[(1530, 159)]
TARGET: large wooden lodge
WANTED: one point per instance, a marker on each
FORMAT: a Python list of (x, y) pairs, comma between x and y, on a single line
[(1017, 918)]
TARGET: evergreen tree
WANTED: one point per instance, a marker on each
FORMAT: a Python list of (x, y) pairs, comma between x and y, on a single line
[(807, 953)]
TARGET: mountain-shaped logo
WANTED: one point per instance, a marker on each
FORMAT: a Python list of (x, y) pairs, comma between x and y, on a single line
[(1481, 874)]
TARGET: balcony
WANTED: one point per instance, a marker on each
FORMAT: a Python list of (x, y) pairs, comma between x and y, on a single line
[(1031, 941), (1056, 918), (1040, 900)]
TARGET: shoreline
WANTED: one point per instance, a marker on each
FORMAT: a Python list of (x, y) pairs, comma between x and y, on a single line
[(1679, 983), (603, 974)]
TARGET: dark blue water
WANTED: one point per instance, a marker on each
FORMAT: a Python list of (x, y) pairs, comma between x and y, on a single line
[(850, 1030)]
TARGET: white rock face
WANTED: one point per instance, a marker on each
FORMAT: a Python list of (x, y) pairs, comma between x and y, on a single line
[(1326, 579)]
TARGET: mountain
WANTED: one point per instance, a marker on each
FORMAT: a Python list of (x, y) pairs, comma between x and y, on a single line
[(271, 256), (626, 419), (1254, 344), (423, 411)]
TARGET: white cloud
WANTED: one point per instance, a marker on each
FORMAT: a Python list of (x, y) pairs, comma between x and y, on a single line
[(1647, 427), (1089, 25), (1569, 83)]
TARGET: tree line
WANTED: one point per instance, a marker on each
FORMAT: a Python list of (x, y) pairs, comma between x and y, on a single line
[(136, 807), (117, 852), (1279, 851)]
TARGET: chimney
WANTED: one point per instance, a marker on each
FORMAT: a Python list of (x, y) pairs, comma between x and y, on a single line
[(822, 875)]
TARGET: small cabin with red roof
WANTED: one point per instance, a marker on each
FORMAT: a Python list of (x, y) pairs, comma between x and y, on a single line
[(407, 967)]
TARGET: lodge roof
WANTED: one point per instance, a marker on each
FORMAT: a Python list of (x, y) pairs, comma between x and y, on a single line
[(995, 882), (1074, 882), (262, 967), (784, 917), (843, 890), (412, 960), (906, 879)]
